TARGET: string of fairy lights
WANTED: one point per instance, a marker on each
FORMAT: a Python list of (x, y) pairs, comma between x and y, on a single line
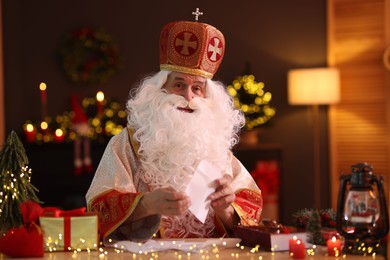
[(212, 252)]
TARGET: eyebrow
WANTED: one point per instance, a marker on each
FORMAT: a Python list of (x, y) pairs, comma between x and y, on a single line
[(197, 81), (178, 78)]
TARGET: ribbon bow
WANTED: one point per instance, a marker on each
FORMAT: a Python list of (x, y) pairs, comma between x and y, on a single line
[(55, 212)]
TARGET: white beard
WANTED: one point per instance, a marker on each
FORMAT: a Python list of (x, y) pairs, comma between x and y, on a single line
[(172, 142)]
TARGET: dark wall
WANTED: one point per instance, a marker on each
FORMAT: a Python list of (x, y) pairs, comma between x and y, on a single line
[(273, 36)]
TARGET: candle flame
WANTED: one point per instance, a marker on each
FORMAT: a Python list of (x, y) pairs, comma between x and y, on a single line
[(29, 127), (334, 239), (42, 86), (100, 96), (44, 125), (59, 132)]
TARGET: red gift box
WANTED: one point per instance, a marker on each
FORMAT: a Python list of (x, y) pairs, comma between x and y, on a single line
[(254, 236)]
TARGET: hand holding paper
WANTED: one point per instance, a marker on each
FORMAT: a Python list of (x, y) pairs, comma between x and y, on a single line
[(200, 187)]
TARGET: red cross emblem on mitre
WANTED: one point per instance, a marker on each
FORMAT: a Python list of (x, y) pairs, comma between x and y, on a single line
[(191, 47)]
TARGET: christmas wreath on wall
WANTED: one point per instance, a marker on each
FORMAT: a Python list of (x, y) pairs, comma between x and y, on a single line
[(90, 56)]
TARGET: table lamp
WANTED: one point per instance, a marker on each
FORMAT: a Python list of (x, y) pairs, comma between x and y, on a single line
[(314, 86)]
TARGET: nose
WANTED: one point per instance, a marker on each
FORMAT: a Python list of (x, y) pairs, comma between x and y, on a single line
[(187, 94)]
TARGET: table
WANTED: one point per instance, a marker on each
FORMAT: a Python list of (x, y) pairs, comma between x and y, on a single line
[(212, 253)]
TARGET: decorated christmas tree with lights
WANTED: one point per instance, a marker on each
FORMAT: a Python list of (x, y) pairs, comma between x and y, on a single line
[(15, 177)]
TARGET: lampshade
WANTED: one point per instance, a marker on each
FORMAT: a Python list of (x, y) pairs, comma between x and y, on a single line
[(314, 86)]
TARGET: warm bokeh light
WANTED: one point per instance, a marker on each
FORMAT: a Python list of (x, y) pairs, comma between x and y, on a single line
[(250, 97), (42, 86), (59, 132), (100, 96), (29, 127), (102, 125), (44, 125)]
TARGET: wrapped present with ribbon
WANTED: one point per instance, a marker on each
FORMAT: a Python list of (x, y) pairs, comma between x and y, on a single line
[(69, 230)]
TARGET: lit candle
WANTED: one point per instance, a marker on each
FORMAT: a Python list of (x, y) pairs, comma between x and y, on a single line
[(45, 131), (42, 88), (44, 127), (291, 243), (100, 99), (59, 135), (30, 133), (334, 246), (297, 248)]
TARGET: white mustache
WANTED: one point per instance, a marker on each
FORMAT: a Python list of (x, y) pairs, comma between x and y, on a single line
[(195, 103)]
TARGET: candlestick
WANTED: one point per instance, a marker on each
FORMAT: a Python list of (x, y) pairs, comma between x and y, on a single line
[(42, 88), (334, 246), (297, 248), (100, 99)]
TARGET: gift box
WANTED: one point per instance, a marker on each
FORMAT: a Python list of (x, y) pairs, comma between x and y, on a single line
[(253, 236), (328, 233), (65, 232)]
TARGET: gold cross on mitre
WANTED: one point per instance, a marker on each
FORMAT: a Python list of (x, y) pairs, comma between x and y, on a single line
[(197, 14)]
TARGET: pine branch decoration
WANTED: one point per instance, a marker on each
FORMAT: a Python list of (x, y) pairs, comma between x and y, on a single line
[(314, 228), (314, 221), (15, 177)]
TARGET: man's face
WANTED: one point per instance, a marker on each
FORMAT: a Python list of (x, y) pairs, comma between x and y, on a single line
[(187, 86)]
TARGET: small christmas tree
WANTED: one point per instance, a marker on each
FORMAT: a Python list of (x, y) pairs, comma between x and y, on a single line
[(15, 176)]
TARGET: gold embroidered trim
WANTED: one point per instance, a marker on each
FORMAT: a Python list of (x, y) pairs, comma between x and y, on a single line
[(127, 215), (99, 208), (196, 72), (133, 142)]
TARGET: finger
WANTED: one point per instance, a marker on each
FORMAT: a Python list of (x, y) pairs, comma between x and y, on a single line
[(220, 193), (223, 202), (226, 180), (176, 196), (222, 181), (172, 195), (226, 190), (168, 189), (176, 207)]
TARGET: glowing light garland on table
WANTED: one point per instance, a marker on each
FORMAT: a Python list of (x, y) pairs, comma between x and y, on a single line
[(214, 252)]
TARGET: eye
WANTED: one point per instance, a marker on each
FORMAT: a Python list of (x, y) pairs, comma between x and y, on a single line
[(197, 89), (178, 85)]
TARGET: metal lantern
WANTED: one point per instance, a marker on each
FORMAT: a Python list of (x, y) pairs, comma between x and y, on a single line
[(362, 216)]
